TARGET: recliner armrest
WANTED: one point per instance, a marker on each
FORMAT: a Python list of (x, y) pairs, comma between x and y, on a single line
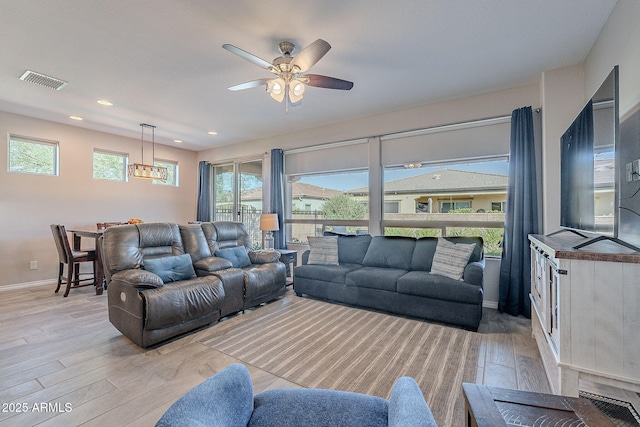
[(137, 278), (264, 257), (211, 264), (407, 407)]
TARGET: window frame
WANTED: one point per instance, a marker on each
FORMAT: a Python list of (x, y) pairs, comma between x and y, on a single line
[(125, 156), (173, 164), (55, 161)]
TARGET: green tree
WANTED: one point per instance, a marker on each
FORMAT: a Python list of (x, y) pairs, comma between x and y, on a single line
[(343, 206)]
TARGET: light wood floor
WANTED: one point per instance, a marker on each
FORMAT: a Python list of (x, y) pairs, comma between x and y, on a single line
[(63, 356)]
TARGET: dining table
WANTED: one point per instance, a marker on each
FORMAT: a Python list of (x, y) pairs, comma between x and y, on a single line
[(95, 234)]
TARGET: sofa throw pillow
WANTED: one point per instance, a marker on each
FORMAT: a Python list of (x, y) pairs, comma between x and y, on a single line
[(171, 268), (450, 259), (237, 255), (324, 250)]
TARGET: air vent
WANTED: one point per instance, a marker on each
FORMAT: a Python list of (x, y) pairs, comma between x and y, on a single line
[(43, 80)]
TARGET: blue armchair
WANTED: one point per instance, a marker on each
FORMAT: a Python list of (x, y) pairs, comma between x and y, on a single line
[(226, 400)]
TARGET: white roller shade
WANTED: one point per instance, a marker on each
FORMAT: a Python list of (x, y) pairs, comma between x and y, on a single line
[(479, 139), (328, 158)]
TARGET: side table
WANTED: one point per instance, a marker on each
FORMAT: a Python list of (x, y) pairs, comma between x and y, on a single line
[(488, 406), (288, 257)]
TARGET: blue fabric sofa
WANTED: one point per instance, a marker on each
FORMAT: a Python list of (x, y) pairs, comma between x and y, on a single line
[(226, 400), (394, 274)]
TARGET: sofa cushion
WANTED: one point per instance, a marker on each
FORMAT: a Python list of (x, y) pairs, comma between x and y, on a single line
[(428, 285), (317, 407), (375, 278), (326, 273), (351, 248), (451, 258), (423, 253), (236, 255), (171, 268), (324, 250), (390, 252)]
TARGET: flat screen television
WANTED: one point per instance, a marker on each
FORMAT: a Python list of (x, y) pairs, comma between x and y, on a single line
[(588, 170)]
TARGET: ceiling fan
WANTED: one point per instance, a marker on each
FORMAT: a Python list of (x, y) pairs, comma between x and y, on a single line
[(290, 83)]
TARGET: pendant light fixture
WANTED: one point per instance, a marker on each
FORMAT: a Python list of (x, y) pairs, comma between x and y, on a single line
[(140, 170)]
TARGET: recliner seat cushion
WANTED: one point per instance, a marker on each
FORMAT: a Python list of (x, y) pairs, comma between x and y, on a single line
[(179, 302), (318, 407), (429, 285), (259, 280)]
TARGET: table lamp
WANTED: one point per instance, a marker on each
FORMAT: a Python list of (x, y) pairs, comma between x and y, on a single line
[(269, 223)]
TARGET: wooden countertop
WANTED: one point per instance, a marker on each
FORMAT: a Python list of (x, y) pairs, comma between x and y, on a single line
[(563, 246)]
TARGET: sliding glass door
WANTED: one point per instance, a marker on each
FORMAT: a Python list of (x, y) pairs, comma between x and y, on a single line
[(238, 195)]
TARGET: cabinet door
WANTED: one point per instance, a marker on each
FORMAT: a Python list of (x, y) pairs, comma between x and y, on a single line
[(539, 290)]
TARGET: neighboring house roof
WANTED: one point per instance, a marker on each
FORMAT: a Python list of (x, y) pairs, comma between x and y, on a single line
[(446, 180), (298, 190)]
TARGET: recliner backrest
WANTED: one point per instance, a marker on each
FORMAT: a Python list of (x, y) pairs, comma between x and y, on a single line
[(126, 246), (231, 234)]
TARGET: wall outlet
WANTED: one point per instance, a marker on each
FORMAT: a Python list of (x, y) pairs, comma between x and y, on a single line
[(33, 265), (628, 170), (635, 169)]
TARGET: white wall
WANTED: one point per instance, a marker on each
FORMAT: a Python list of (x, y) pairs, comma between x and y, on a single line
[(565, 91), (30, 203)]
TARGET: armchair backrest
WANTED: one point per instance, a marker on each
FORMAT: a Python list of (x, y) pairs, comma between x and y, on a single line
[(125, 247)]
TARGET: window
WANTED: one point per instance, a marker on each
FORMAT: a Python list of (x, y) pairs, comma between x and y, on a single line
[(391, 207), (172, 172), (452, 206), (498, 206), (109, 165), (30, 155), (448, 199), (336, 201)]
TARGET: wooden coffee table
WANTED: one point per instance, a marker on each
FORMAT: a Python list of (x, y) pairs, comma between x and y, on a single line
[(488, 406)]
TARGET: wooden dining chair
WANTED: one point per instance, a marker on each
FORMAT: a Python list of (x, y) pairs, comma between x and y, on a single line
[(72, 258)]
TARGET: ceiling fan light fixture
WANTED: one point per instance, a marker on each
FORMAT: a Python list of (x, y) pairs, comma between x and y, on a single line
[(297, 88), (275, 88)]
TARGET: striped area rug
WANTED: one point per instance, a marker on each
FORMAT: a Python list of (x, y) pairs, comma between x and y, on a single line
[(324, 345)]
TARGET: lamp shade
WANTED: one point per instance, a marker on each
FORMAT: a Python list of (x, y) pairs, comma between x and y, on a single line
[(269, 222)]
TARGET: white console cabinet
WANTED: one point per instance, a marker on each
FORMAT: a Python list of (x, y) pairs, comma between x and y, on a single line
[(586, 312)]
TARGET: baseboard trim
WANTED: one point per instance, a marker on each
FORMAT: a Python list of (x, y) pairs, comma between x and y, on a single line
[(490, 304), (27, 285)]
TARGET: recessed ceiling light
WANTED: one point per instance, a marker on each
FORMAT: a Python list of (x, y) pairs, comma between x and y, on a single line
[(104, 102), (75, 118), (212, 132), (177, 141)]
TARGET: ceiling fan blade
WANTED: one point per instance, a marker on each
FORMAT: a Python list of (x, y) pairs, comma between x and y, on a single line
[(311, 54), (327, 82), (249, 85), (248, 56)]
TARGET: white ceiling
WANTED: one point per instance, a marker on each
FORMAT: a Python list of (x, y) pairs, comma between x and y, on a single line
[(161, 61)]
